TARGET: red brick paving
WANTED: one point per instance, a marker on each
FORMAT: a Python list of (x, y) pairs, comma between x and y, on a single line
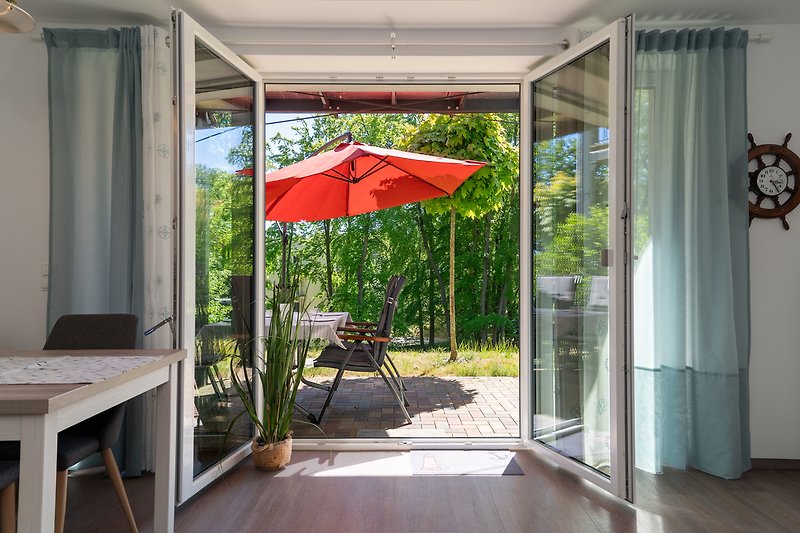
[(440, 407)]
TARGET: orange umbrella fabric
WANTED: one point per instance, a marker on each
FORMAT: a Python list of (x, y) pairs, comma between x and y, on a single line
[(356, 178)]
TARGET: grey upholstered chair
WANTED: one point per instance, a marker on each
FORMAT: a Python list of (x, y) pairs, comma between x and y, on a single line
[(9, 473), (100, 432)]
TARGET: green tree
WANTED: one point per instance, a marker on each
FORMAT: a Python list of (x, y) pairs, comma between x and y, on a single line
[(467, 136)]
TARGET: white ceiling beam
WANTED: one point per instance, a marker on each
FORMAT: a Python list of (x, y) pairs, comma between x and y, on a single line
[(377, 42)]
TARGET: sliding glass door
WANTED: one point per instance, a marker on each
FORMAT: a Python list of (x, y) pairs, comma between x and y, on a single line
[(221, 128), (576, 164)]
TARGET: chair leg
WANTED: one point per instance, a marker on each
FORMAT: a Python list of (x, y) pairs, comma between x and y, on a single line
[(61, 499), (334, 386), (399, 377), (398, 380), (218, 383), (8, 509), (397, 394), (119, 488)]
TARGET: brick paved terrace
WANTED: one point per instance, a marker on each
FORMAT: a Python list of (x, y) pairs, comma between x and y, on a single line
[(460, 407)]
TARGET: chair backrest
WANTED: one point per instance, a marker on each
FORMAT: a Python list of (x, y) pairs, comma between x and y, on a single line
[(93, 332), (96, 332), (598, 293), (384, 327), (556, 290)]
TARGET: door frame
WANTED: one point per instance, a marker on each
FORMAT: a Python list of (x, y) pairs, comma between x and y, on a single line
[(619, 36), (186, 31), (622, 444)]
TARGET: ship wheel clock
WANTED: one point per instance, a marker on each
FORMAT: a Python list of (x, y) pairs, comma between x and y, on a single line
[(774, 182)]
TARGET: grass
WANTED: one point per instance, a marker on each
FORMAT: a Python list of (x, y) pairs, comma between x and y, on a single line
[(502, 360)]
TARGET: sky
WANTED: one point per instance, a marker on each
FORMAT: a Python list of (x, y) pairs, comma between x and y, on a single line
[(213, 145)]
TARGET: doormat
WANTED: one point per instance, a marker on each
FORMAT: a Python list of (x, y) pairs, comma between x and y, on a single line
[(464, 463)]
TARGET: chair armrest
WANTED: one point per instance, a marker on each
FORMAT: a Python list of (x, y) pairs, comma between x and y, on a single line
[(356, 330), (364, 338)]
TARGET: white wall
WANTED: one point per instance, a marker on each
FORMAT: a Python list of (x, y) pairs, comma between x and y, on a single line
[(774, 110), (24, 190)]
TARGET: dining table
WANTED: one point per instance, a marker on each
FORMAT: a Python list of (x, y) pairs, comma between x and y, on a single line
[(317, 325), (43, 392)]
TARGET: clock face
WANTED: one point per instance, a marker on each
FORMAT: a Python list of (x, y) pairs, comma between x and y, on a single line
[(772, 180)]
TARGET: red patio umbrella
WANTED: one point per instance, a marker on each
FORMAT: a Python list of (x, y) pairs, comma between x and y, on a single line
[(356, 178)]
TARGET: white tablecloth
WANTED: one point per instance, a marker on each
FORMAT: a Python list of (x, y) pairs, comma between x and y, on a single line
[(320, 325)]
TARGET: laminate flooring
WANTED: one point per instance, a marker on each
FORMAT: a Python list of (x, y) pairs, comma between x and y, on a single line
[(361, 492)]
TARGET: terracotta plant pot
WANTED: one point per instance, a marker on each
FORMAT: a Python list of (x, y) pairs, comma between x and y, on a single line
[(272, 456)]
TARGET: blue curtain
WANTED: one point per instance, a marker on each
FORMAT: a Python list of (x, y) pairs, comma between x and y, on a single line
[(691, 284), (95, 171), (96, 203)]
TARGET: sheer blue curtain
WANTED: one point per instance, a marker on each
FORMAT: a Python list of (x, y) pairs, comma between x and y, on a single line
[(95, 172), (96, 203), (691, 285)]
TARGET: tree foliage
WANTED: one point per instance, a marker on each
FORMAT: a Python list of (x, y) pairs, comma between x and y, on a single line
[(409, 240)]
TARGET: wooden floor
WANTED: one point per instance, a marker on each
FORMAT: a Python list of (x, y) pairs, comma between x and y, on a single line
[(313, 495)]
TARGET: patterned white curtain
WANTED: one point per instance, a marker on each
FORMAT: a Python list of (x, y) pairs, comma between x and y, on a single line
[(159, 237)]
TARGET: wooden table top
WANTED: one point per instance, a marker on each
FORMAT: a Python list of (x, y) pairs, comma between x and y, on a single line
[(43, 399)]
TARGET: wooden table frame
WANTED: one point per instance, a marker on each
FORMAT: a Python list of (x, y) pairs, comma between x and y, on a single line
[(34, 414)]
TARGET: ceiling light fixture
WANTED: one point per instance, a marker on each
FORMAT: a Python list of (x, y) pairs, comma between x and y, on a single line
[(14, 19)]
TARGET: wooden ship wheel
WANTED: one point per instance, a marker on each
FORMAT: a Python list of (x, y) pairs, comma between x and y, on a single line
[(774, 183)]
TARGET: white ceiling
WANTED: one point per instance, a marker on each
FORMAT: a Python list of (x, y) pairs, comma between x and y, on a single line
[(433, 39)]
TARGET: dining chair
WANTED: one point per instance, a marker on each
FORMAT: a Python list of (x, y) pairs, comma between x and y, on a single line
[(100, 432), (365, 350), (9, 474)]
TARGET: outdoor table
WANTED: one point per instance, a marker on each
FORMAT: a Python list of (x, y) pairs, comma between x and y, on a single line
[(45, 391), (319, 325)]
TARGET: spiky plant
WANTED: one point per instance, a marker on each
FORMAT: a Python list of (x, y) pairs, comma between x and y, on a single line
[(270, 380)]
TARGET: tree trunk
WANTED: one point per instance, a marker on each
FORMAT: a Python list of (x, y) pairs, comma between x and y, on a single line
[(328, 260), (485, 278), (431, 310), (360, 271), (501, 310), (453, 345), (428, 245), (418, 283)]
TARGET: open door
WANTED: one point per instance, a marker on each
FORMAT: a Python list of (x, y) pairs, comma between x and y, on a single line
[(221, 130), (575, 259)]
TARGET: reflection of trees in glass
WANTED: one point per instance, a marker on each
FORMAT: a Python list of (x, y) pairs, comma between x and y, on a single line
[(568, 242), (554, 156), (224, 239)]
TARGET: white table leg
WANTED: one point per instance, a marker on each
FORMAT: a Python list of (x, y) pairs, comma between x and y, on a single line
[(166, 440), (37, 480)]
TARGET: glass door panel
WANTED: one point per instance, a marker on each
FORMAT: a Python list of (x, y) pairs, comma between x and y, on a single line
[(570, 261), (224, 240), (577, 130), (220, 103)]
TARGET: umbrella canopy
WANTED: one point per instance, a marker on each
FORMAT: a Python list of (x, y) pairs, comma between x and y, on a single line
[(356, 178)]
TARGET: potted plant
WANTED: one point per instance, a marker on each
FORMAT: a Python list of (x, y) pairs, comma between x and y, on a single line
[(269, 379)]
